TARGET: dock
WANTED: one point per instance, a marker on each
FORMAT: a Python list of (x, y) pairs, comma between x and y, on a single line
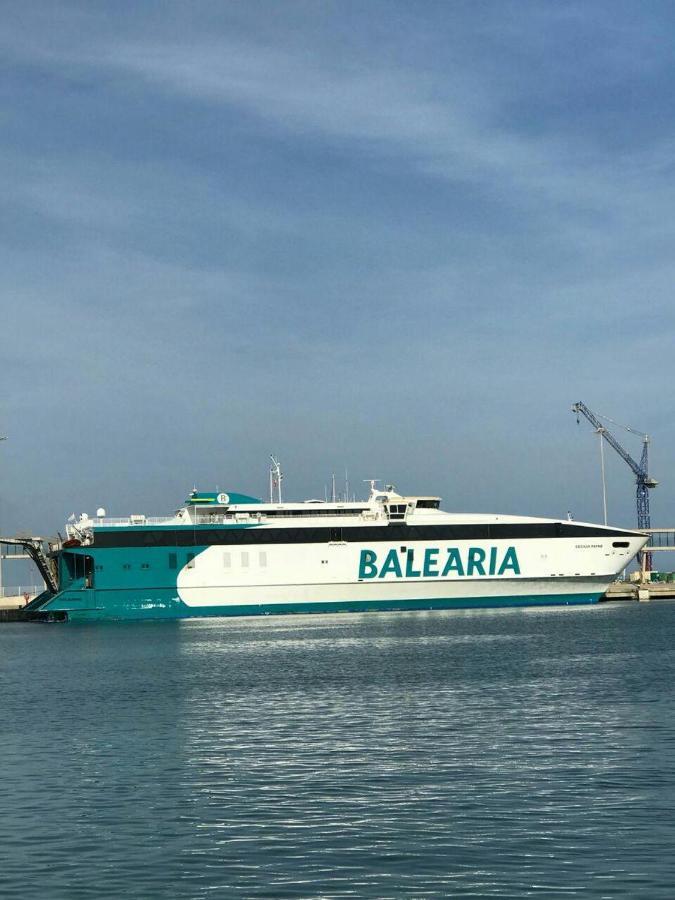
[(13, 603), (12, 615), (647, 585), (635, 590)]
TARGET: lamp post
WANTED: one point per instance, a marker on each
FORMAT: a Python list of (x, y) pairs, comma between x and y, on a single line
[(1, 439)]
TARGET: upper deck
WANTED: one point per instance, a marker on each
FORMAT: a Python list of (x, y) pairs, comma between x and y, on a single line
[(382, 509), (230, 509)]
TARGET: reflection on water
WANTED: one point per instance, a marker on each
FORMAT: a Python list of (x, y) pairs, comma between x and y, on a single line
[(484, 754)]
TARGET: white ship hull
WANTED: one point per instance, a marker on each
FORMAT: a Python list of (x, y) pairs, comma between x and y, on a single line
[(244, 557), (275, 577)]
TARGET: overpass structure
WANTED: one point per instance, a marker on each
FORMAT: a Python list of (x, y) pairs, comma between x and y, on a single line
[(660, 539)]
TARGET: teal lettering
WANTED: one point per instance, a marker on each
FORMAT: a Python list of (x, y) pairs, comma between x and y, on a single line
[(367, 564), (431, 562), (510, 561), (409, 571), (475, 561), (493, 560), (391, 564), (453, 562)]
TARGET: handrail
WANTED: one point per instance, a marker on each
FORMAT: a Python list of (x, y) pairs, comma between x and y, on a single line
[(211, 519), (19, 590), (124, 520)]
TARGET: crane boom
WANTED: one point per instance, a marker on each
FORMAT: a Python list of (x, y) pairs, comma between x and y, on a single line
[(638, 468)]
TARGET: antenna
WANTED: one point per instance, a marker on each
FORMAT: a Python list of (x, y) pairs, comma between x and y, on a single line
[(372, 482), (333, 488), (276, 477), (346, 486)]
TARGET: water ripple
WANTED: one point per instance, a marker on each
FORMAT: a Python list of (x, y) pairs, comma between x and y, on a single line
[(492, 754)]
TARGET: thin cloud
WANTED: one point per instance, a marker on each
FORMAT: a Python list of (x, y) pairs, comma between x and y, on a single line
[(317, 229)]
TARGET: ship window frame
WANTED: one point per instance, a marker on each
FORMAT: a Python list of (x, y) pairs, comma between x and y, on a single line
[(397, 512), (88, 571)]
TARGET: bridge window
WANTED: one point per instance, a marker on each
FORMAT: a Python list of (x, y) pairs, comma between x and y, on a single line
[(428, 504), (173, 561)]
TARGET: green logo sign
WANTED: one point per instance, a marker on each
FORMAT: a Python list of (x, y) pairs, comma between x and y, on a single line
[(436, 562)]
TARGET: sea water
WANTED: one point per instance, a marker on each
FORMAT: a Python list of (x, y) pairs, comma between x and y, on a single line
[(506, 753)]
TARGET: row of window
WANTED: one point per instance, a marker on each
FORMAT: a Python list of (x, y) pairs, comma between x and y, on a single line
[(311, 511), (397, 510), (394, 532), (217, 518), (243, 559)]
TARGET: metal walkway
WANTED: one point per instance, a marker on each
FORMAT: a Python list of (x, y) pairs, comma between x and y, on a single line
[(34, 547), (661, 538)]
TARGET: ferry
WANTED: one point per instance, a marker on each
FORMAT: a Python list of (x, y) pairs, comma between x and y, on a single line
[(231, 554)]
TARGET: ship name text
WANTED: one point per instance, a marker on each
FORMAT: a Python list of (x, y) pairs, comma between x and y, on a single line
[(437, 562)]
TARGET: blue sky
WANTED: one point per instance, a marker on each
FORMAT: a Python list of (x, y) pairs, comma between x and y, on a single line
[(401, 238)]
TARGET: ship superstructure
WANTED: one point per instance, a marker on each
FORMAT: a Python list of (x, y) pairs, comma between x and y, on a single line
[(228, 554)]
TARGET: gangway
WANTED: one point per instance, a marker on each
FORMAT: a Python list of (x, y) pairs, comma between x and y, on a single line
[(33, 547), (660, 539)]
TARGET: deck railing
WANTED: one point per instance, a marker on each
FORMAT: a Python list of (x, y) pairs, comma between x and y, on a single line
[(123, 521), (216, 518), (20, 590)]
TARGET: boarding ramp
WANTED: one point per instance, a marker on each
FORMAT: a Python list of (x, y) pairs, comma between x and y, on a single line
[(34, 548), (660, 539)]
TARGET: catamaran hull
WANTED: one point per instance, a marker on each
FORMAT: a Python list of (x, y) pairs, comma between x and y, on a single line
[(297, 564), (164, 603)]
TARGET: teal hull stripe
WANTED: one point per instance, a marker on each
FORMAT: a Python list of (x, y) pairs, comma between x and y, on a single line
[(131, 605)]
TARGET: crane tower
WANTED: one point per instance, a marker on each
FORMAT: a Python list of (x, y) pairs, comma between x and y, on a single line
[(641, 470)]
